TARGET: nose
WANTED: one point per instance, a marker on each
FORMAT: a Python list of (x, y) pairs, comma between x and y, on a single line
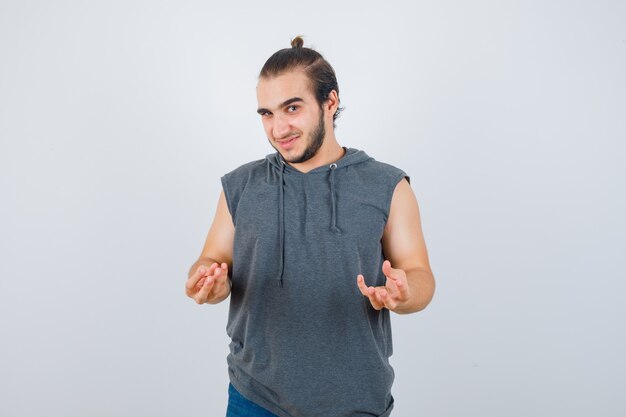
[(280, 127)]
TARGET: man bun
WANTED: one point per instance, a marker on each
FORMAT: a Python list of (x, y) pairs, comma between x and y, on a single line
[(297, 42)]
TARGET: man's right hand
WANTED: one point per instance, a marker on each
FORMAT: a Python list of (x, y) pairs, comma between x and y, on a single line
[(209, 284)]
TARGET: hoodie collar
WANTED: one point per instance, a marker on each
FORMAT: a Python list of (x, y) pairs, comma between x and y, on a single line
[(352, 156)]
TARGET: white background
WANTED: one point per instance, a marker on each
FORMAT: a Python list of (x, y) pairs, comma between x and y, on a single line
[(117, 119)]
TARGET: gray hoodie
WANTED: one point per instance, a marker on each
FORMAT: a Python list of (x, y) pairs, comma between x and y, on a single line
[(305, 342)]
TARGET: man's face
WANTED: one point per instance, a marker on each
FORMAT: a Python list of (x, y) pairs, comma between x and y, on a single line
[(292, 118)]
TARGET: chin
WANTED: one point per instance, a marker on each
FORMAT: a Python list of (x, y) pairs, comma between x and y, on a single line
[(293, 159), (290, 156)]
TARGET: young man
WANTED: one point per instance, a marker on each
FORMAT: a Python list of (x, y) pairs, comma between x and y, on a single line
[(315, 244)]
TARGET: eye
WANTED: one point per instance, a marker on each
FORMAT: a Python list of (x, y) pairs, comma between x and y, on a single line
[(292, 108), (265, 114)]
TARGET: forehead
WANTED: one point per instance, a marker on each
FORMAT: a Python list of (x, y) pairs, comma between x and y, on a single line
[(273, 91)]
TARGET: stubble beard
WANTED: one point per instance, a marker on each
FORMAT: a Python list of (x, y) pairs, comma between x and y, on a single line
[(317, 139)]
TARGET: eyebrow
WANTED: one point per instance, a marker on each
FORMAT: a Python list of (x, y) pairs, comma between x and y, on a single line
[(282, 105)]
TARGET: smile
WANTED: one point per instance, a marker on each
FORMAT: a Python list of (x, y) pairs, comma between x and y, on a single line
[(288, 143)]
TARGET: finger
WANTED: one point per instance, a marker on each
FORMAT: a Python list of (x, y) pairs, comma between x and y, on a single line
[(219, 276), (223, 271), (369, 292), (196, 279), (396, 281), (193, 279), (222, 284), (209, 285), (202, 296), (380, 295), (375, 299), (392, 287), (386, 299), (402, 288), (211, 270), (389, 271), (360, 281), (227, 283)]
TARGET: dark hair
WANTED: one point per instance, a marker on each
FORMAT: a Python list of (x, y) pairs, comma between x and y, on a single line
[(317, 69)]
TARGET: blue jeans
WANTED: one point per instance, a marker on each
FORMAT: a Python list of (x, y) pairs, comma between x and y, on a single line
[(239, 406)]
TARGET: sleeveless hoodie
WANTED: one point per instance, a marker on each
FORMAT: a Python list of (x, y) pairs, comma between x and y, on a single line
[(304, 341)]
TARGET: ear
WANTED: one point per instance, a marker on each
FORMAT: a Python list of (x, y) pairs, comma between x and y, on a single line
[(332, 103)]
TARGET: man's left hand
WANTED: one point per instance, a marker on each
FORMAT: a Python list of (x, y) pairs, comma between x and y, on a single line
[(394, 294)]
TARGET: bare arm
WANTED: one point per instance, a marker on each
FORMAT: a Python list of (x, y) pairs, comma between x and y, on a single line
[(410, 283), (208, 280)]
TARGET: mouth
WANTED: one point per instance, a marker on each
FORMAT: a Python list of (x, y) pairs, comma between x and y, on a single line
[(288, 143)]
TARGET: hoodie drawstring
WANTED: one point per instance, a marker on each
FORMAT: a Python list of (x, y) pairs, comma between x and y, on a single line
[(281, 223), (333, 199)]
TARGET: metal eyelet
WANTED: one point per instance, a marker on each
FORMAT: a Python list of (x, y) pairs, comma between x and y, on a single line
[(333, 166)]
